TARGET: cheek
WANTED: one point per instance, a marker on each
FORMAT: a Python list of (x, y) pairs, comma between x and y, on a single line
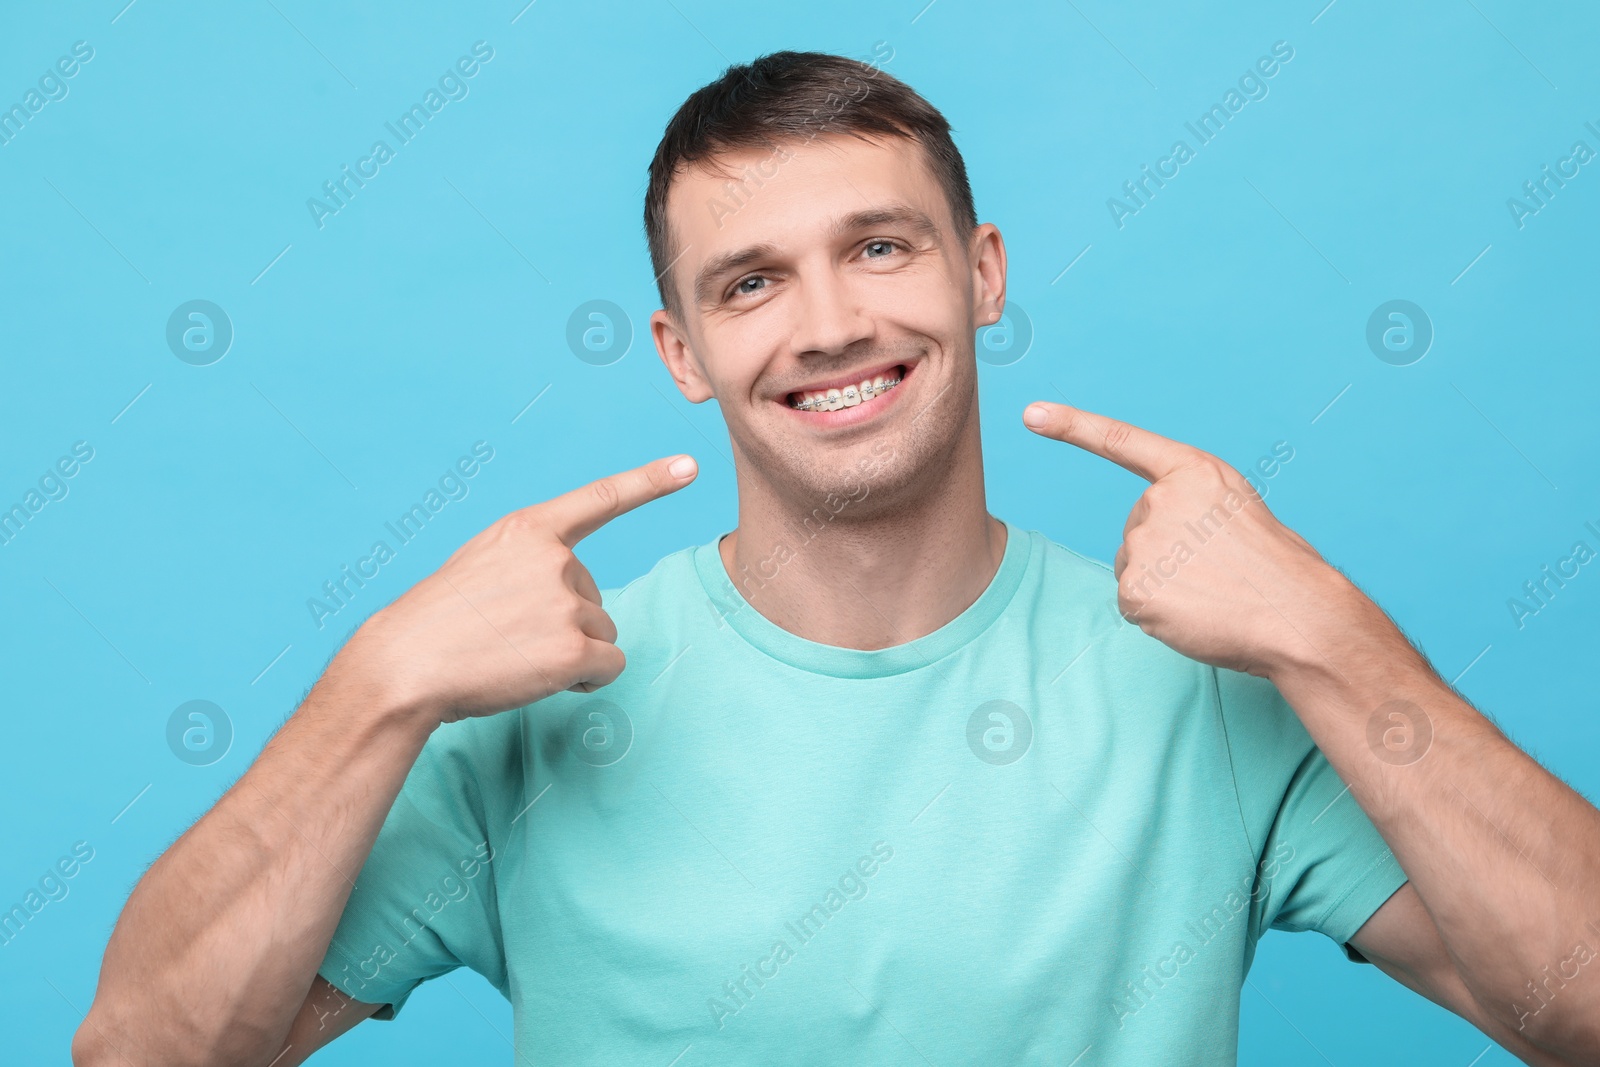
[(916, 304), (738, 358)]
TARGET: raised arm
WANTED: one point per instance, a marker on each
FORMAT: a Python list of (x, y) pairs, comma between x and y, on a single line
[(215, 951), (1503, 857), (214, 958)]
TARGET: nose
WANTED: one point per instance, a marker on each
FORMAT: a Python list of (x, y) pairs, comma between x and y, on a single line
[(831, 316)]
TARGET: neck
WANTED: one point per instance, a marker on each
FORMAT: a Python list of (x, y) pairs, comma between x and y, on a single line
[(869, 572)]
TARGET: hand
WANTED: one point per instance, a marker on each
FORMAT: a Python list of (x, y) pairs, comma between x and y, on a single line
[(1204, 566), (512, 616)]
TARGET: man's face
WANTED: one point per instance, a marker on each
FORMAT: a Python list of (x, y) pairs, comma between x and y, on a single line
[(830, 263)]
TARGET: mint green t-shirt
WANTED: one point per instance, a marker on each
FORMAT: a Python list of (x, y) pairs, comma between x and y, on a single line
[(1032, 835)]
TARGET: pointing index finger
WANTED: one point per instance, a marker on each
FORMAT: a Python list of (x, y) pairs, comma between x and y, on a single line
[(574, 515), (1149, 455)]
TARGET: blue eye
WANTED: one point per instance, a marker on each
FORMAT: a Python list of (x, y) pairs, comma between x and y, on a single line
[(879, 244), (739, 288)]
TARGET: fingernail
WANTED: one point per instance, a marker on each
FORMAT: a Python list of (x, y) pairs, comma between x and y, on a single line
[(682, 467), (1035, 415)]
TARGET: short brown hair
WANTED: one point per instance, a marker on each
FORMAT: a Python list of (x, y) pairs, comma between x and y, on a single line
[(785, 97)]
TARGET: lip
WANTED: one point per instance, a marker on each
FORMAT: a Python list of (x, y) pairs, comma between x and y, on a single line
[(840, 383), (872, 409)]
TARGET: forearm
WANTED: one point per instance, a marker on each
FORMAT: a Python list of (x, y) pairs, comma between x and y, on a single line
[(216, 948), (1504, 855)]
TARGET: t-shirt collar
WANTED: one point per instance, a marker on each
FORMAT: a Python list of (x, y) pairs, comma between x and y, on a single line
[(768, 637)]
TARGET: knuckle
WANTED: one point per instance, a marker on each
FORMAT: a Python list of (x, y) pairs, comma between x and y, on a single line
[(614, 662), (548, 555), (1219, 471), (573, 570), (606, 494), (571, 611), (572, 647), (1116, 436), (519, 523)]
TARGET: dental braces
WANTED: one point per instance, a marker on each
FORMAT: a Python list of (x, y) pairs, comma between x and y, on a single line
[(825, 403)]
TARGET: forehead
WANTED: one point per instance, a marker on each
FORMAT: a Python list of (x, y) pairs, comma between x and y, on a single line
[(788, 196)]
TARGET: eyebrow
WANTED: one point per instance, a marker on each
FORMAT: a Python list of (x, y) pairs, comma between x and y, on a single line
[(898, 214)]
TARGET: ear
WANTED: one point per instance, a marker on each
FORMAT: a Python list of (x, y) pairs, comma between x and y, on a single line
[(672, 345), (987, 254)]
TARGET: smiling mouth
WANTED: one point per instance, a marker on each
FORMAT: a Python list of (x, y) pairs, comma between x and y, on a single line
[(851, 395)]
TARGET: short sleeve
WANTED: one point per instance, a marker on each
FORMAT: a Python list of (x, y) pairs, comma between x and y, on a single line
[(424, 903), (1321, 863)]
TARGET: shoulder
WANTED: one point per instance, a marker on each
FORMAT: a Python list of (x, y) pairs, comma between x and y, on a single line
[(1252, 730), (473, 765), (1262, 726), (1078, 593), (669, 581), (1073, 596), (1061, 563)]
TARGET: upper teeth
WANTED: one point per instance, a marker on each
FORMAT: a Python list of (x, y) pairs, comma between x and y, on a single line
[(847, 397)]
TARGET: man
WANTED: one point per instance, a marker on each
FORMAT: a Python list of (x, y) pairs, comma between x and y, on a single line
[(880, 776)]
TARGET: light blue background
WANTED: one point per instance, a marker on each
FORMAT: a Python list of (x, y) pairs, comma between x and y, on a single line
[(426, 315)]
